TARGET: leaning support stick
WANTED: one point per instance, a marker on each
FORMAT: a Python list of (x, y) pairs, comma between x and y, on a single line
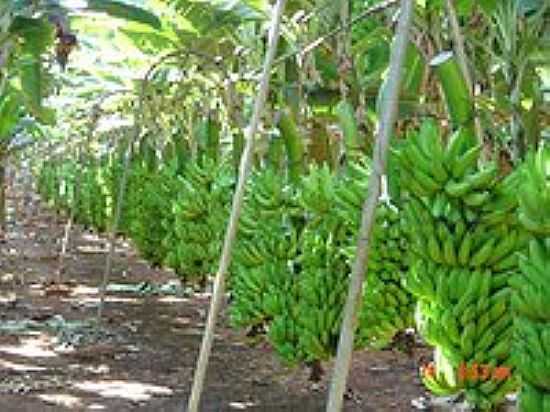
[(385, 130), (246, 162)]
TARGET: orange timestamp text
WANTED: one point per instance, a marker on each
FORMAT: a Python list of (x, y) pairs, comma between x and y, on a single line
[(474, 372)]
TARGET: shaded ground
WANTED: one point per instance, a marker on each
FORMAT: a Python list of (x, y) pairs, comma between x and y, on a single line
[(141, 358)]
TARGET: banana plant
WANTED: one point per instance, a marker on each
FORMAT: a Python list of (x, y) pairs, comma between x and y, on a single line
[(29, 30)]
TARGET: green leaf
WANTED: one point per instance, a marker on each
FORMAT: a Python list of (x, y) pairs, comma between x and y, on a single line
[(488, 6), (37, 34), (464, 7), (245, 10), (413, 72), (9, 115), (148, 41), (46, 115), (31, 82), (125, 11)]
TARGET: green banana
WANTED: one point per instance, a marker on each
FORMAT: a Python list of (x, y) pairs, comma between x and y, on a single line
[(467, 161)]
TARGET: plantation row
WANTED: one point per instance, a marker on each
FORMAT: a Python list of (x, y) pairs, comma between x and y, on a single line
[(460, 251), (295, 245)]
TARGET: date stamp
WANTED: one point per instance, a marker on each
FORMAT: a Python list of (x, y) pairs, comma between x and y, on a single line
[(473, 372)]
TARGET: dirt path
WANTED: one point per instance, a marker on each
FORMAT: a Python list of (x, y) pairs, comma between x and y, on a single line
[(53, 357)]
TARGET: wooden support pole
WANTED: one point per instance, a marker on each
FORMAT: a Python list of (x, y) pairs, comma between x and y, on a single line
[(385, 130), (246, 162)]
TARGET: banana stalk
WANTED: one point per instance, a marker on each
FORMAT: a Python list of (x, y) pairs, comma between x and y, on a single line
[(294, 144), (455, 89), (275, 152), (348, 124)]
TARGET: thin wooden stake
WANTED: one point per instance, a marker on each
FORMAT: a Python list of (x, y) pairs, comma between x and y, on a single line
[(114, 228), (64, 247), (68, 226), (225, 260), (385, 130)]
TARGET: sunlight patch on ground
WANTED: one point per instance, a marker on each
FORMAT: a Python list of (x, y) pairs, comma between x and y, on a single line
[(135, 391), (31, 348), (96, 407), (91, 238), (203, 295), (241, 405), (7, 278), (8, 298), (61, 399), (20, 367), (182, 320), (85, 290), (35, 286), (89, 249), (96, 370)]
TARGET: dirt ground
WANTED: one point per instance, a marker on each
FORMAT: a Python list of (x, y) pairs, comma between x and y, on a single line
[(53, 357)]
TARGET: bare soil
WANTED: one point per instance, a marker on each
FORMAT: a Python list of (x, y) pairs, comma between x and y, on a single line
[(142, 356)]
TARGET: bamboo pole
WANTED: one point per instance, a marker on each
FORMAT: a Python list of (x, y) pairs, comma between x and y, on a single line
[(3, 165), (246, 161), (385, 130)]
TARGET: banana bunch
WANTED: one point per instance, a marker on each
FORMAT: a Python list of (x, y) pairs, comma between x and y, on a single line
[(533, 288), (266, 243), (298, 264), (464, 237), (94, 201), (533, 399), (285, 331), (531, 350), (323, 285), (351, 193), (470, 322), (317, 275), (268, 200), (387, 307), (49, 184), (57, 184), (317, 190), (200, 210), (306, 300), (149, 192), (535, 193)]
